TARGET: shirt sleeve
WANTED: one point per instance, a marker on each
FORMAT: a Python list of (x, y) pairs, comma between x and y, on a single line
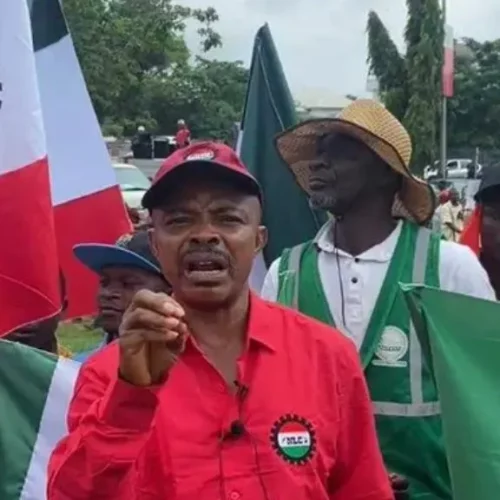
[(269, 289), (109, 425), (461, 272), (359, 473)]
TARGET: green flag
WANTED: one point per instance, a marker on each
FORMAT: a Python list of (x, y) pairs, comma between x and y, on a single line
[(270, 109), (35, 392), (461, 337)]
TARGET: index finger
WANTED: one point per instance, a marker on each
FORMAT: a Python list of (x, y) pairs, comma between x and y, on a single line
[(160, 303)]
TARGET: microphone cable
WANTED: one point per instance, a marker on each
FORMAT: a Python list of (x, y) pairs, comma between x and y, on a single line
[(238, 430)]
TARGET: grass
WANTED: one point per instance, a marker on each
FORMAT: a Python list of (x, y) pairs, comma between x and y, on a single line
[(78, 336)]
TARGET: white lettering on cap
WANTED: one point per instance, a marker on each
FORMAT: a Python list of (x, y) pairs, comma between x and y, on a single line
[(201, 155)]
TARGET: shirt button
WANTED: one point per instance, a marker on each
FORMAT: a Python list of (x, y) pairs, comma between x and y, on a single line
[(356, 260), (354, 280), (235, 495)]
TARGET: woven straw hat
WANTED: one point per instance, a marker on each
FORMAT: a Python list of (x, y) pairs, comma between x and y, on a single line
[(371, 123)]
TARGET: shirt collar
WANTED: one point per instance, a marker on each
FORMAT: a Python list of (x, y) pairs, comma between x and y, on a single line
[(260, 327), (382, 252)]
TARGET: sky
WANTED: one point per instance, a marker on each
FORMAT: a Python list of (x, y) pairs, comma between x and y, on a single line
[(322, 43)]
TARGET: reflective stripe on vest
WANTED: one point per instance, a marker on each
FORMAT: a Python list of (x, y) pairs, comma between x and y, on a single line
[(418, 408), (294, 266)]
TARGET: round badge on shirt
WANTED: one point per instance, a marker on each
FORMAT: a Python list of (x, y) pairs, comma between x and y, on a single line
[(293, 438)]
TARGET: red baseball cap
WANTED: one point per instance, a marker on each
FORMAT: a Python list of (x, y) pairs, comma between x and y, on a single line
[(221, 159)]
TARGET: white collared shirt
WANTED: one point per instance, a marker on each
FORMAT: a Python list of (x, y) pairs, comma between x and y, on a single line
[(362, 277)]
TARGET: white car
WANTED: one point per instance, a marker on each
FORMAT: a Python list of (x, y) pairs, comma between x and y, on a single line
[(133, 184), (456, 168)]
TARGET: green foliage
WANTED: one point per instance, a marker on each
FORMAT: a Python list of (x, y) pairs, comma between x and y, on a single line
[(410, 84), (138, 68), (208, 95), (79, 336), (474, 111), (387, 64), (424, 38)]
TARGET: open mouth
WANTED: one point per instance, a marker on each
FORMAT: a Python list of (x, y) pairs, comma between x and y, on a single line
[(109, 311), (205, 268)]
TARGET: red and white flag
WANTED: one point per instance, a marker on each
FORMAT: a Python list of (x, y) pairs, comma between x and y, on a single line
[(448, 62), (29, 276), (88, 206)]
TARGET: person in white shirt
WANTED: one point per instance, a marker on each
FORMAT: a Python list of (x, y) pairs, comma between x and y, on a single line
[(356, 167), (452, 217)]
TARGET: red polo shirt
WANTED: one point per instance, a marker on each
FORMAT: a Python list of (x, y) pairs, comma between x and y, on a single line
[(299, 428), (182, 137)]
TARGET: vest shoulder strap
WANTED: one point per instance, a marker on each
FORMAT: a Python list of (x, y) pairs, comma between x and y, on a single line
[(289, 275), (421, 254)]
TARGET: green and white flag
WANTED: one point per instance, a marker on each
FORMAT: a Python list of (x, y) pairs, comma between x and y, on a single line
[(460, 336), (35, 391), (270, 109)]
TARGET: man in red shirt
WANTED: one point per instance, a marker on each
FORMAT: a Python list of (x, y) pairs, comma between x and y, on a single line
[(217, 394), (183, 135)]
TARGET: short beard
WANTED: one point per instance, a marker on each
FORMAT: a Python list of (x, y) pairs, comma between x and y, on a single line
[(322, 202)]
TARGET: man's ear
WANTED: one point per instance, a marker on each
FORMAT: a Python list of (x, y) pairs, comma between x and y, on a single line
[(262, 237)]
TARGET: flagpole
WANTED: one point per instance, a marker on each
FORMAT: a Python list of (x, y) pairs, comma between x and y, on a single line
[(444, 110)]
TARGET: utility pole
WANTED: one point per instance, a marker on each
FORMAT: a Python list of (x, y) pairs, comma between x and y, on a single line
[(444, 109)]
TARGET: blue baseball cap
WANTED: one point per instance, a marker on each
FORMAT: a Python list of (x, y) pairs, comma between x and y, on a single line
[(131, 250)]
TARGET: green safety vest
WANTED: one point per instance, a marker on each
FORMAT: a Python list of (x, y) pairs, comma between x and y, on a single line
[(400, 381)]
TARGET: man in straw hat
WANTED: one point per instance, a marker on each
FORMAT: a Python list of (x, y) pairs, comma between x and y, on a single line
[(357, 167)]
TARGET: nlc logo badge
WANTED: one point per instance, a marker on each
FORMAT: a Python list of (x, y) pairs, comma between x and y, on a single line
[(293, 438), (392, 348)]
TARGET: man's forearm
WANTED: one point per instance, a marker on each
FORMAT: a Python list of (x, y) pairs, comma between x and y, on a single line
[(97, 460), (454, 228)]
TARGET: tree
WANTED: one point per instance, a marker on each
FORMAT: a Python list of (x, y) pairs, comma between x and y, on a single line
[(209, 95), (123, 44), (474, 111), (388, 66), (410, 83)]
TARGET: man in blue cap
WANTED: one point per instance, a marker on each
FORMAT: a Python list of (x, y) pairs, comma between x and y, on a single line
[(123, 269)]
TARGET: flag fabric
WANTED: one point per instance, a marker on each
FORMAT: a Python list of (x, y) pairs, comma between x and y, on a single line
[(448, 62), (35, 390), (461, 336), (471, 235), (88, 206), (269, 109), (29, 278)]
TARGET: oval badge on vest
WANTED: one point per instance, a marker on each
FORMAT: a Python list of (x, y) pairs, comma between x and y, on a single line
[(392, 348)]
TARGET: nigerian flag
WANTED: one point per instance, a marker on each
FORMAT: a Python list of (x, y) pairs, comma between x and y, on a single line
[(461, 337), (35, 391), (270, 109)]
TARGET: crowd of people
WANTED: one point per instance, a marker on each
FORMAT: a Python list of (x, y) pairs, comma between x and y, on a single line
[(316, 388)]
